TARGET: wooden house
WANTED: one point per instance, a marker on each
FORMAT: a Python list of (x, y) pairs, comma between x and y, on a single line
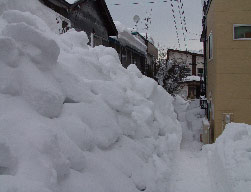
[(151, 56), (91, 16), (195, 71), (128, 54)]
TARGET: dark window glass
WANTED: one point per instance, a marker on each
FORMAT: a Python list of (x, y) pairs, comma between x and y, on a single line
[(200, 70), (242, 32)]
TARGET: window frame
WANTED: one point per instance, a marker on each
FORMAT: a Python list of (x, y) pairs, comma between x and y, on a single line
[(240, 25), (210, 37)]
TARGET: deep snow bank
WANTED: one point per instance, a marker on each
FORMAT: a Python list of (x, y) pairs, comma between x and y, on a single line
[(229, 159), (71, 117)]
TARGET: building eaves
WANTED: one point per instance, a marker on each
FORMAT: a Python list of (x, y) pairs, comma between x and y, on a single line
[(208, 6), (184, 52), (112, 30)]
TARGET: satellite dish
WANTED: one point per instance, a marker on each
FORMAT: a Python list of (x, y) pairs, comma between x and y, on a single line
[(136, 18)]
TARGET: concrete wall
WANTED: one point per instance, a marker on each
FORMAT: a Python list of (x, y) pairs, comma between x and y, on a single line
[(229, 72)]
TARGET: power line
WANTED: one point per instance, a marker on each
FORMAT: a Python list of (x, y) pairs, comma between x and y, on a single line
[(182, 26), (180, 5), (183, 13), (175, 23), (183, 21)]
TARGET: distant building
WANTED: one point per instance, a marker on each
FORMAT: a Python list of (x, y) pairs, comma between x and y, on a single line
[(195, 71), (90, 16), (195, 61), (226, 36)]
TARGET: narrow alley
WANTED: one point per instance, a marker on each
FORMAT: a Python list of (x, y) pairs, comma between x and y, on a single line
[(190, 169)]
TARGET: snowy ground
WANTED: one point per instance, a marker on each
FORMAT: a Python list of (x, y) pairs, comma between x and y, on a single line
[(224, 166), (190, 170), (191, 173)]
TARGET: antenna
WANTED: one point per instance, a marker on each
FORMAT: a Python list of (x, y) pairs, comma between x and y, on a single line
[(136, 19)]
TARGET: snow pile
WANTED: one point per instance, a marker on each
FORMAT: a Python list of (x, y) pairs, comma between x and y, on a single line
[(127, 39), (229, 159), (191, 117), (71, 117)]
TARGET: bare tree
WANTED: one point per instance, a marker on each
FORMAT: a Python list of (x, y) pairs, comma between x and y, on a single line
[(171, 73)]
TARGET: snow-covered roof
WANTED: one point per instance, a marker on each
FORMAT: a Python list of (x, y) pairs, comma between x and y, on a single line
[(71, 1), (187, 52), (126, 38), (191, 78)]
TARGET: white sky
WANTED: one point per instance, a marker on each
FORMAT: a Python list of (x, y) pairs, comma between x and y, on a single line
[(162, 28)]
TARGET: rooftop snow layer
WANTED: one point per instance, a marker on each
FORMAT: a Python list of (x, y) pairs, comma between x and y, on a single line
[(192, 78), (126, 38), (71, 1)]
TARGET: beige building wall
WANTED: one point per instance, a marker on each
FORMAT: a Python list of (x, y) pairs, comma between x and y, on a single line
[(229, 72)]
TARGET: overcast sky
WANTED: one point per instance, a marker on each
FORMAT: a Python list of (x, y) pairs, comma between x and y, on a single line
[(162, 28)]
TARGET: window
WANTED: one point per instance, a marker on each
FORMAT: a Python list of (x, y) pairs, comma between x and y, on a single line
[(200, 71), (210, 46), (242, 32)]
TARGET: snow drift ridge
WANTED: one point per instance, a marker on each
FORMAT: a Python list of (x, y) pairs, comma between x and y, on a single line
[(71, 117)]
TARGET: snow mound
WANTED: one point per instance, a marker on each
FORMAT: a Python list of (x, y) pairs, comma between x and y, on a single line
[(71, 117), (229, 159)]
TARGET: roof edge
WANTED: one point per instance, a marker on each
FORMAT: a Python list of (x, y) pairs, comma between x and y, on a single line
[(185, 52)]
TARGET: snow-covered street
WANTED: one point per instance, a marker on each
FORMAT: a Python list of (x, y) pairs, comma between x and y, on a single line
[(220, 167), (191, 174), (190, 169), (73, 119)]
